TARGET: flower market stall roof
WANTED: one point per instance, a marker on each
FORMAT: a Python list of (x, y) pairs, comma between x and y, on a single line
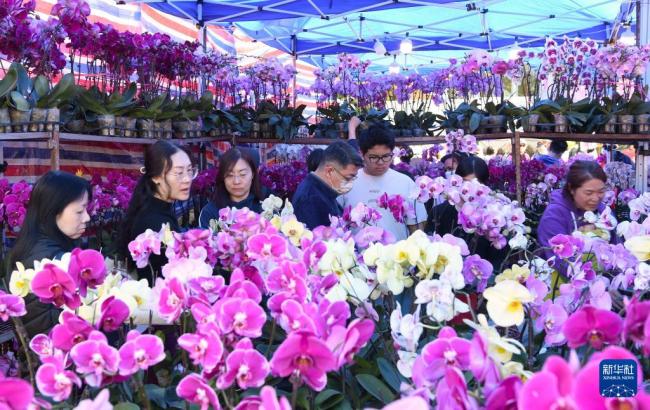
[(438, 29)]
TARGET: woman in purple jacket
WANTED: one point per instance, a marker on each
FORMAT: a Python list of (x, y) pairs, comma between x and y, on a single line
[(584, 191)]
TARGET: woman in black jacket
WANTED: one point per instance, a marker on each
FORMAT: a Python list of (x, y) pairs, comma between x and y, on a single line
[(167, 176), (444, 217), (237, 186), (56, 218)]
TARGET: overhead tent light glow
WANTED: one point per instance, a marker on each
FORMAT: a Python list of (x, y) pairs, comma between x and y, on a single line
[(380, 48), (628, 38), (406, 46), (514, 50), (394, 67)]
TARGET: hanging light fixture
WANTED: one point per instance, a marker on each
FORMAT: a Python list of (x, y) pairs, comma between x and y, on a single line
[(406, 46), (514, 50), (628, 38), (380, 48), (394, 67)]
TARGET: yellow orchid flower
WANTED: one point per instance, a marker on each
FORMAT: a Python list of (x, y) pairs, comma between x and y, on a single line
[(505, 302)]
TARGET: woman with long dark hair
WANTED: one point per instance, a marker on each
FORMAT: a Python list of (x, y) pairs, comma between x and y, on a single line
[(56, 218), (237, 185), (166, 177)]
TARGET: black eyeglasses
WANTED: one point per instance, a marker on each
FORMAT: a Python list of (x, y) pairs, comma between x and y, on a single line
[(376, 159)]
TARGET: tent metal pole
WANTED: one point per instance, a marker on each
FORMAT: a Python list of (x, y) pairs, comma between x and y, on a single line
[(294, 55), (642, 159)]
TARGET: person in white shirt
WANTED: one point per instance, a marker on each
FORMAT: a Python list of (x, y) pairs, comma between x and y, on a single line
[(376, 178)]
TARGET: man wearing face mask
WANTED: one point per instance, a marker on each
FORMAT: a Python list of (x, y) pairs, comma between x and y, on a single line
[(315, 199), (376, 178)]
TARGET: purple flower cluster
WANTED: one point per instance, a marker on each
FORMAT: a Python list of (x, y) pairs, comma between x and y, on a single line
[(283, 179)]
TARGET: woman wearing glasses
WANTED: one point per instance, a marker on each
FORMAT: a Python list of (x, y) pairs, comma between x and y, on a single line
[(166, 177), (237, 185)]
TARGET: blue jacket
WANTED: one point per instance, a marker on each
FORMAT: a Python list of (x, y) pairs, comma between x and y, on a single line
[(211, 211), (314, 202)]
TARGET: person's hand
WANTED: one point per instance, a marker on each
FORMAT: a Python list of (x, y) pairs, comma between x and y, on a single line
[(352, 127), (587, 228)]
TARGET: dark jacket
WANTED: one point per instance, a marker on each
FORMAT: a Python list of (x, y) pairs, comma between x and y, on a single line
[(314, 202), (41, 317), (211, 211), (152, 216), (443, 220)]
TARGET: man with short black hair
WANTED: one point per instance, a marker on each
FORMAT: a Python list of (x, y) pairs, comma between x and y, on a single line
[(376, 178), (315, 199), (555, 151)]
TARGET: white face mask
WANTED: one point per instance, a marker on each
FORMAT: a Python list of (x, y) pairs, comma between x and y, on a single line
[(448, 174), (346, 186)]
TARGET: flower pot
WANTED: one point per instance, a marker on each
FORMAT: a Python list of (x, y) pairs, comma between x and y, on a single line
[(5, 120), (642, 123), (37, 121), (75, 126), (19, 120), (545, 127), (610, 125), (497, 123), (106, 124), (418, 132), (120, 125), (625, 124), (145, 128), (561, 123), (198, 128), (130, 127), (484, 126), (529, 122), (181, 129), (52, 119)]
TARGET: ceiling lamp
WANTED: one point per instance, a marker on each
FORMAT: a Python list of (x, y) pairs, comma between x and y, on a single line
[(514, 51), (628, 38), (380, 48), (394, 67), (406, 46)]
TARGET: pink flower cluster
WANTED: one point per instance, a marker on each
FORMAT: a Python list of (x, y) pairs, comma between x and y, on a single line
[(14, 200), (398, 207), (111, 195), (480, 211), (52, 284), (458, 141)]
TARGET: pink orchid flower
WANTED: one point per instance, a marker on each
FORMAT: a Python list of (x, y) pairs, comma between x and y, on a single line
[(594, 326), (267, 400), (42, 345), (15, 394), (71, 331), (53, 285), (140, 352), (11, 306), (195, 389), (53, 380), (95, 358), (205, 350), (245, 365), (101, 402), (243, 317), (448, 350), (345, 343), (264, 246), (306, 356), (113, 314), (293, 317), (87, 268), (172, 298)]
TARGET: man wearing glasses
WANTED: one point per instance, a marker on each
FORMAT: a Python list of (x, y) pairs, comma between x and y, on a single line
[(315, 199), (377, 177)]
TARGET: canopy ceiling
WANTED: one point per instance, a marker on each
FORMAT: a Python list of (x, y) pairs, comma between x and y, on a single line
[(315, 30)]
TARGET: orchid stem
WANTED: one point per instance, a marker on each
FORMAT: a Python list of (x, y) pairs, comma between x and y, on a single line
[(268, 348), (294, 394), (22, 333)]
